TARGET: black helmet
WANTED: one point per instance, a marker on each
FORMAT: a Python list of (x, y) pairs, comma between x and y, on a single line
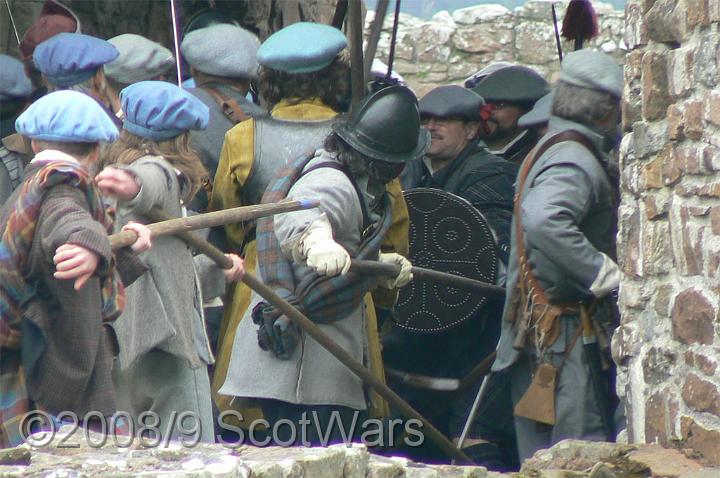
[(386, 126)]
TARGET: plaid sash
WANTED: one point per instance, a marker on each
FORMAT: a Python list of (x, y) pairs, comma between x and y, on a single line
[(322, 299), (17, 292)]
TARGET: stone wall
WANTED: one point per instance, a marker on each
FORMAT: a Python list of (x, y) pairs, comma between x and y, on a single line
[(451, 47), (668, 345)]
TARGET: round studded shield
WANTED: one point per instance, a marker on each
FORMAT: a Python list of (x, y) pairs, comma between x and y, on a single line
[(446, 234)]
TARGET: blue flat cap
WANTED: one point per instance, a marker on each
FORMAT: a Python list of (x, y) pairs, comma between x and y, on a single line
[(139, 59), (159, 111), (222, 50), (451, 101), (14, 83), (540, 114), (69, 117), (70, 58), (301, 48), (593, 69)]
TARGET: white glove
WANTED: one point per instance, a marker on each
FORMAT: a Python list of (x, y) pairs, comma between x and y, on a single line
[(320, 251), (403, 277)]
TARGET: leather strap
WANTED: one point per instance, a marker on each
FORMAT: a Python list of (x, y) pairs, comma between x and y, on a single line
[(229, 106), (532, 293)]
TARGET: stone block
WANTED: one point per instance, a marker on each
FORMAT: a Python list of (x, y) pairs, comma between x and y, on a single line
[(479, 39), (480, 14), (433, 42), (652, 174), (663, 297), (681, 71), (535, 43), (701, 395), (715, 220), (714, 10), (629, 241), (656, 248), (693, 318), (633, 296), (649, 138), (661, 461), (636, 34), (405, 67), (698, 13), (700, 439), (666, 21), (694, 115), (690, 157), (675, 122), (705, 364), (711, 158), (461, 70), (574, 455), (655, 97), (672, 167), (706, 65), (658, 366), (657, 205), (690, 248), (712, 108), (657, 425), (711, 190)]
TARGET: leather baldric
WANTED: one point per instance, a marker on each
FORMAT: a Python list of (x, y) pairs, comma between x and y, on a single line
[(539, 313), (229, 106)]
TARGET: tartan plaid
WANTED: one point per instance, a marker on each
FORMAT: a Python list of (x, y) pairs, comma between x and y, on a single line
[(322, 299), (14, 402), (17, 291)]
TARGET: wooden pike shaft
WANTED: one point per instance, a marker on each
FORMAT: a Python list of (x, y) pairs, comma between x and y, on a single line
[(310, 328), (374, 35), (212, 219), (450, 280), (357, 69)]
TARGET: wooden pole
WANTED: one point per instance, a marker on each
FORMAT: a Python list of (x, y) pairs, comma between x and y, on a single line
[(212, 219), (419, 273), (374, 35), (310, 328), (355, 29)]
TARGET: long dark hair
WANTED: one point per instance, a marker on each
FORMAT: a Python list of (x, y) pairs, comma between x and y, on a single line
[(331, 84)]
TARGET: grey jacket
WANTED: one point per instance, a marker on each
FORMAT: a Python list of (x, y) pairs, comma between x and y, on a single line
[(164, 306), (208, 142), (312, 376), (567, 219)]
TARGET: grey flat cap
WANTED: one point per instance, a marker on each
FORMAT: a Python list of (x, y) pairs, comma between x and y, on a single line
[(540, 114), (451, 102), (593, 69), (14, 83), (513, 84), (222, 50), (476, 78), (140, 59)]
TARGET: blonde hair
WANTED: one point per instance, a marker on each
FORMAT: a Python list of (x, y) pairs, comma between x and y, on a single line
[(176, 151)]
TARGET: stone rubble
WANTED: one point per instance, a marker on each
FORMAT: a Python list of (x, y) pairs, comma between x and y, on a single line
[(78, 455)]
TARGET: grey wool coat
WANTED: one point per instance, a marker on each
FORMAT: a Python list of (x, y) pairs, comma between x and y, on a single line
[(311, 376), (164, 306), (567, 219)]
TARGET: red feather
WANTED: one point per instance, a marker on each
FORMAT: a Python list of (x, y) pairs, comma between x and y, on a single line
[(580, 22)]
